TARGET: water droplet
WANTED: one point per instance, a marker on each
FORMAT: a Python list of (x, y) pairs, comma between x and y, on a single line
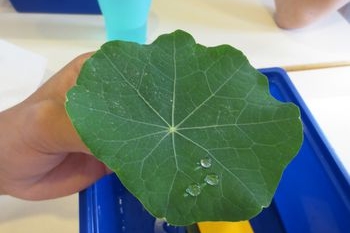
[(206, 162), (194, 190), (212, 179)]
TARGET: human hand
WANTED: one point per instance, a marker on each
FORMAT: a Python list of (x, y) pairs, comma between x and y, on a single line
[(42, 156), (291, 14)]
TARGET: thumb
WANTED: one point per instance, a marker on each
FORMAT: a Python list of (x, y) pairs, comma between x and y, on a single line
[(52, 129)]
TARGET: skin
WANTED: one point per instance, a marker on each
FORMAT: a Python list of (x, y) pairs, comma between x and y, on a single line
[(291, 14), (42, 156)]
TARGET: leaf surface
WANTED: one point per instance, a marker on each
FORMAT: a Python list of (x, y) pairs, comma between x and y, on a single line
[(191, 131)]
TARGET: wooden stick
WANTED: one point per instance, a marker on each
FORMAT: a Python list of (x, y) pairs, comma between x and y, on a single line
[(316, 66)]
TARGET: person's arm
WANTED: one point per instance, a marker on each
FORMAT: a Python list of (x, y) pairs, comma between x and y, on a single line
[(41, 155), (300, 13)]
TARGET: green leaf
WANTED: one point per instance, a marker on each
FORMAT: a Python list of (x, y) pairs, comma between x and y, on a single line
[(191, 131)]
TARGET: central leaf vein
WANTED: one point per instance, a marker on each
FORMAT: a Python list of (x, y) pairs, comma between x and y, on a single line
[(135, 138), (272, 121), (174, 87), (123, 118), (174, 177)]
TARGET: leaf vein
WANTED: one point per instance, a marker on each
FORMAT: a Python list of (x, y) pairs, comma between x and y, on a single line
[(221, 164), (123, 118), (212, 95), (134, 88)]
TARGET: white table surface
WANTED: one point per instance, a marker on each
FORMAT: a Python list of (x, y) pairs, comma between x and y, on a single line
[(245, 24), (326, 93)]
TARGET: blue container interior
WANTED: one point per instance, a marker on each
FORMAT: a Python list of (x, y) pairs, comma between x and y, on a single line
[(57, 6), (313, 195)]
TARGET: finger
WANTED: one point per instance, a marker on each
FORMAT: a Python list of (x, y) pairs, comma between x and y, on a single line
[(58, 85), (77, 172), (47, 115), (48, 129), (67, 76)]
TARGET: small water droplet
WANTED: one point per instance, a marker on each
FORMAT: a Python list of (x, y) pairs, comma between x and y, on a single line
[(206, 162), (194, 190), (212, 179)]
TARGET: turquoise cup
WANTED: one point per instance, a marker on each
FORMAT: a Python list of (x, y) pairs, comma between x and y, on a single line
[(125, 19)]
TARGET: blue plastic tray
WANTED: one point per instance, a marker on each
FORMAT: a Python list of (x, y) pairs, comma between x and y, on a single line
[(313, 196), (57, 6)]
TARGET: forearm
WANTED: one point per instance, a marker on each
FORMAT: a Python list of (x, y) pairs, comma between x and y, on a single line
[(299, 13)]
